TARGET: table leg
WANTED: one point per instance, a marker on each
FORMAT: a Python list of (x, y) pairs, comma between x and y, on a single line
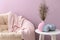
[(41, 37), (53, 37)]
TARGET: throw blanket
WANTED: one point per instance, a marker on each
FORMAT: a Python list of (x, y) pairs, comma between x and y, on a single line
[(23, 26)]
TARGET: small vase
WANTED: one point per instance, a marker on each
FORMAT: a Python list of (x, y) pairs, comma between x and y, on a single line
[(41, 25)]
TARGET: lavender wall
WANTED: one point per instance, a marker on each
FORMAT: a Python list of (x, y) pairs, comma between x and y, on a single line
[(30, 9)]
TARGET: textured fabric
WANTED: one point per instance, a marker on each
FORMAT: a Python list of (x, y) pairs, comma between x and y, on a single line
[(4, 22), (12, 21), (4, 18), (27, 30), (3, 28), (10, 36)]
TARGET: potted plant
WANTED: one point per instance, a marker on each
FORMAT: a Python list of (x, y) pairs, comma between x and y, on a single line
[(43, 13)]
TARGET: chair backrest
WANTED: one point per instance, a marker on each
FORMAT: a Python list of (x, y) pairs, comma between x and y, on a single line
[(5, 21)]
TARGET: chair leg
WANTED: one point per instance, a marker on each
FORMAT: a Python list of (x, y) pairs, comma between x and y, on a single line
[(53, 37)]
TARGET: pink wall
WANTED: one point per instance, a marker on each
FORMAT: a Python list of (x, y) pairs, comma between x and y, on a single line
[(27, 8), (30, 8)]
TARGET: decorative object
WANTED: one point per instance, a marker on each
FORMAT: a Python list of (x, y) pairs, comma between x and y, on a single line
[(49, 27), (40, 26), (52, 27), (46, 28), (43, 13)]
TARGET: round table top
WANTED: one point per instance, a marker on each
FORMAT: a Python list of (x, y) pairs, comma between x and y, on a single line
[(56, 32)]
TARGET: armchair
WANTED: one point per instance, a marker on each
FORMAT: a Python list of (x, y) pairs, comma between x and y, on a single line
[(16, 25)]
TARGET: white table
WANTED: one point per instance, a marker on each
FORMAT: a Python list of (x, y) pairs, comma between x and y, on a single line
[(52, 34)]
